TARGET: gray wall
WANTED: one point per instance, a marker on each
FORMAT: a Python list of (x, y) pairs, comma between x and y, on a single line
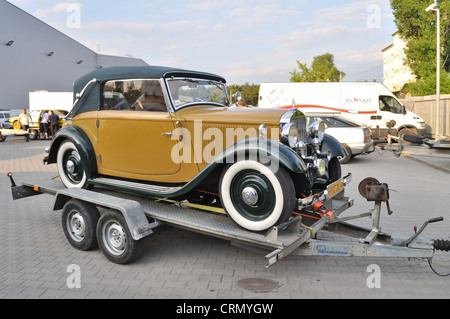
[(425, 107), (26, 67)]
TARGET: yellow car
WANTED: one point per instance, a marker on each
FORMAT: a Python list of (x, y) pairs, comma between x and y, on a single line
[(170, 133), (35, 121)]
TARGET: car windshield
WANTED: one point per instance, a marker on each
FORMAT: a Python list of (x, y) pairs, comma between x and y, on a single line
[(332, 121), (185, 91)]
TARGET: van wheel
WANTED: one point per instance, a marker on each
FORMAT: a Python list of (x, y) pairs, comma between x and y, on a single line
[(255, 197)]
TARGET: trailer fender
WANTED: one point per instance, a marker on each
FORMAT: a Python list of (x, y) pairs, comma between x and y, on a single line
[(132, 211)]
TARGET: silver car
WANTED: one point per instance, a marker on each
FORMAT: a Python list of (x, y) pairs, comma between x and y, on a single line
[(4, 120), (356, 139)]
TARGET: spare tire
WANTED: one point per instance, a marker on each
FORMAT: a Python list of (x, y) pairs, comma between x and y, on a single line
[(416, 139)]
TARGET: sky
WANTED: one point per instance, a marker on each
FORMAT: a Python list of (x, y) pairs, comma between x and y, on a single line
[(245, 41)]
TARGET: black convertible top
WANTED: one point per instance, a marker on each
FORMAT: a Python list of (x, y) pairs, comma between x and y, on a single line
[(91, 99)]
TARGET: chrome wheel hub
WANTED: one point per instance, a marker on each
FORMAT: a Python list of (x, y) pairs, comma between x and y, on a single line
[(250, 196)]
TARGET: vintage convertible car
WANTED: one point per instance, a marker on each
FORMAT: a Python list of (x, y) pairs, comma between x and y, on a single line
[(169, 133)]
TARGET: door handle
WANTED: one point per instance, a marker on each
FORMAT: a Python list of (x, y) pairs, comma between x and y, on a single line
[(178, 123)]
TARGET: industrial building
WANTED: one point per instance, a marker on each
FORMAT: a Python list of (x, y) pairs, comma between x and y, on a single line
[(35, 56)]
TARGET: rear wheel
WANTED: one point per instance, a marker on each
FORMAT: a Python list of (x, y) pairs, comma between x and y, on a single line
[(115, 240), (70, 166), (17, 125), (255, 197)]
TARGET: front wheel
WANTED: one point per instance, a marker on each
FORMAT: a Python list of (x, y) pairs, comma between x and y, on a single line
[(255, 197), (79, 222)]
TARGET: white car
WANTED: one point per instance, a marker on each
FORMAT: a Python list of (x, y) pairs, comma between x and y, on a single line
[(356, 139), (4, 119)]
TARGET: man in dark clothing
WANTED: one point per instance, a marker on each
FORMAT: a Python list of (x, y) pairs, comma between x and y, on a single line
[(54, 122)]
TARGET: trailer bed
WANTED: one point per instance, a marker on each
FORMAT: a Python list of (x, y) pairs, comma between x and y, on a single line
[(279, 240)]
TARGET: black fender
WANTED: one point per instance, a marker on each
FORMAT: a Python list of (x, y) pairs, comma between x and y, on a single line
[(270, 152), (83, 144), (332, 144)]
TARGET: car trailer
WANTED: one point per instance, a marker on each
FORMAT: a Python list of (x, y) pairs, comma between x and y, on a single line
[(128, 216)]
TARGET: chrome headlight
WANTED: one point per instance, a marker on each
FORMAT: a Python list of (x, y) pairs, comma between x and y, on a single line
[(317, 130), (289, 135)]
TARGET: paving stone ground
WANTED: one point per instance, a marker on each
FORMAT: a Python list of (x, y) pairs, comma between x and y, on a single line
[(36, 259)]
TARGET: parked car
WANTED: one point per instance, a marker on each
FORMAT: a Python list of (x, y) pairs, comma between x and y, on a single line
[(4, 116), (169, 133), (356, 139), (35, 121)]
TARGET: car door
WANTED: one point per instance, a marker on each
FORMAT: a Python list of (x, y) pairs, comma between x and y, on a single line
[(134, 133)]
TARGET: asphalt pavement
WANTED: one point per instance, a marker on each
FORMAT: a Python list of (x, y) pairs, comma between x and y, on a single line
[(36, 260)]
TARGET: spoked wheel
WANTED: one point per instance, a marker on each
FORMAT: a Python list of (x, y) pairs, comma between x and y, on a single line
[(79, 222), (70, 166), (255, 197), (115, 239)]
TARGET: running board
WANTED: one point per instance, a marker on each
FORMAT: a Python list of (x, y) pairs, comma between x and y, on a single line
[(135, 187)]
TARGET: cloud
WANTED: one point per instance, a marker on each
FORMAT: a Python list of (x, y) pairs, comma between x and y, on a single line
[(43, 13)]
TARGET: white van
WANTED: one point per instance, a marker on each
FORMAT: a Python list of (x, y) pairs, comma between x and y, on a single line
[(368, 103)]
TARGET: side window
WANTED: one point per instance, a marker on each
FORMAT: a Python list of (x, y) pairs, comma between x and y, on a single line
[(134, 95)]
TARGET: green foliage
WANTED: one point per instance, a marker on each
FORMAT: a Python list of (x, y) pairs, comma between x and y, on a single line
[(322, 70), (250, 92), (418, 28)]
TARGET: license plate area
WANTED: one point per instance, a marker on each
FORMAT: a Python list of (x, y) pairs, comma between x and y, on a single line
[(335, 188)]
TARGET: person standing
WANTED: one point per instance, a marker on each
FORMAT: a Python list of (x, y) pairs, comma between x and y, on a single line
[(54, 122), (44, 125), (25, 120)]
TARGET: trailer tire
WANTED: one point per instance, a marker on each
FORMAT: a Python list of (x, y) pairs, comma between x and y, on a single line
[(115, 239), (79, 222)]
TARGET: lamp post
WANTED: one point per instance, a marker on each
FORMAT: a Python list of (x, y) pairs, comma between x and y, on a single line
[(435, 7)]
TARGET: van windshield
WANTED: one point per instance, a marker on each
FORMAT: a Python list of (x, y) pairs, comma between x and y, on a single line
[(390, 104)]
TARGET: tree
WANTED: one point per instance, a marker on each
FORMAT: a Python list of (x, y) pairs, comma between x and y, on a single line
[(418, 28), (250, 92), (322, 70)]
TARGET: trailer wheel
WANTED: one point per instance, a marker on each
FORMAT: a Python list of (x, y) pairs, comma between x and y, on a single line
[(79, 222), (115, 240), (34, 134), (255, 197)]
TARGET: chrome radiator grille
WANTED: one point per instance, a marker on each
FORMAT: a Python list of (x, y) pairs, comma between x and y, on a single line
[(300, 123)]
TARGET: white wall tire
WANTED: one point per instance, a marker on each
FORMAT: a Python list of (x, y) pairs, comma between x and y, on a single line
[(70, 166), (255, 197)]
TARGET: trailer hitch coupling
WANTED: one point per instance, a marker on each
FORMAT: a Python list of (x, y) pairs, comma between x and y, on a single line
[(21, 191)]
